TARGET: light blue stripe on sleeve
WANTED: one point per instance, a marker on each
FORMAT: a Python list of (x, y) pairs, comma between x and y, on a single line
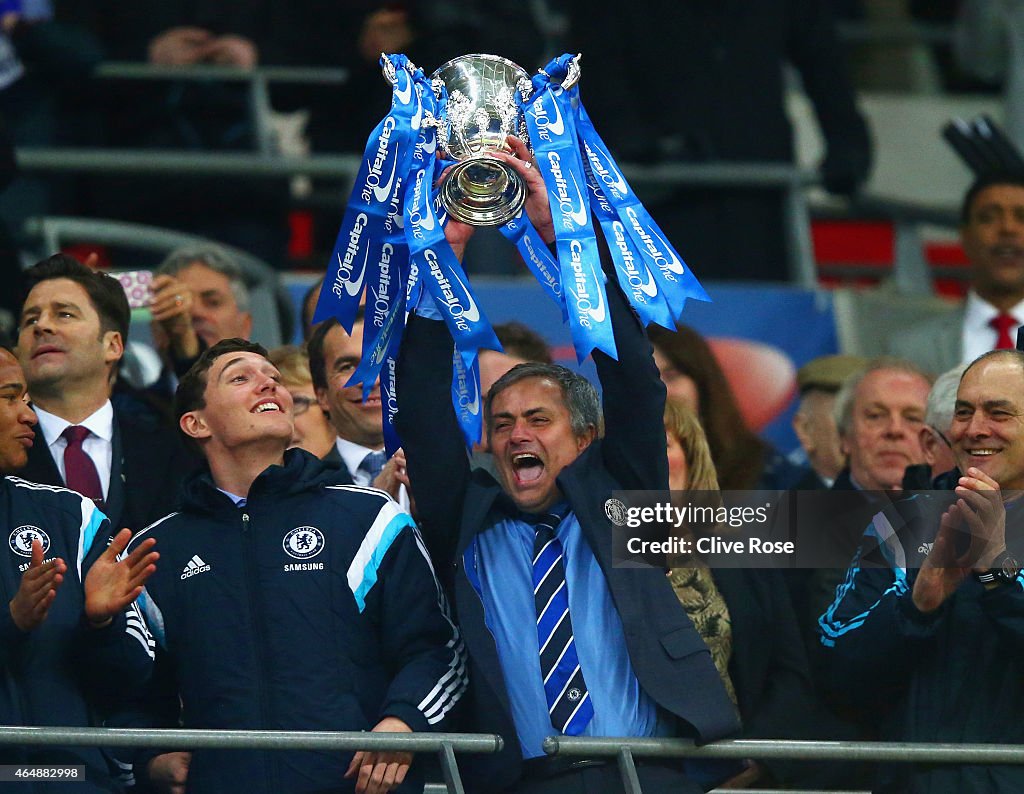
[(369, 574), (91, 528)]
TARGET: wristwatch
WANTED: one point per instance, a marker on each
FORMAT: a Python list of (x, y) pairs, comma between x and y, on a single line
[(1004, 570)]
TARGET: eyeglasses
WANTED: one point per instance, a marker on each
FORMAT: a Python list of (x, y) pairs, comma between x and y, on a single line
[(302, 404), (941, 435)]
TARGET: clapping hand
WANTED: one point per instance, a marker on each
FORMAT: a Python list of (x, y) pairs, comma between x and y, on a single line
[(979, 508), (38, 588), (112, 583)]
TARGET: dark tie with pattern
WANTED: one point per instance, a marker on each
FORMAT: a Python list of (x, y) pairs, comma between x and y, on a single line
[(1002, 325), (373, 463), (569, 704), (79, 471)]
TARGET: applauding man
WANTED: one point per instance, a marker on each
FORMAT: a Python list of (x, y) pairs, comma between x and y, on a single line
[(66, 596), (928, 627)]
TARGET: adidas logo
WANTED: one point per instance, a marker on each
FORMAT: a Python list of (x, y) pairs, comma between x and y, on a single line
[(195, 565)]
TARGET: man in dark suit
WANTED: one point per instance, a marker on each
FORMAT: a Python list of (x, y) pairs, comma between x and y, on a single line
[(992, 235), (626, 659), (74, 323), (359, 448)]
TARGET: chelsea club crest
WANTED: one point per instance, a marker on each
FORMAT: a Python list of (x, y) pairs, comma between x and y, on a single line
[(22, 537), (303, 542)]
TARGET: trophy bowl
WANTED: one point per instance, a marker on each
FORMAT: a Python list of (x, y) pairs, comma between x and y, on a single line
[(480, 112)]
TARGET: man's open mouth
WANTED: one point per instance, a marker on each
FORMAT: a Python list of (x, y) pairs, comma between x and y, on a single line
[(263, 408), (527, 466)]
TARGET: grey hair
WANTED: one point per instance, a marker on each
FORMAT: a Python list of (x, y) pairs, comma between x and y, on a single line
[(843, 409), (942, 399), (578, 393), (215, 258)]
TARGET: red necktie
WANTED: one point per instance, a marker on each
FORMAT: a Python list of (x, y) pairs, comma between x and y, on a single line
[(79, 470), (1002, 325)]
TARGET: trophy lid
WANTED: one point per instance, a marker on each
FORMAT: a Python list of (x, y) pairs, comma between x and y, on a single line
[(476, 63)]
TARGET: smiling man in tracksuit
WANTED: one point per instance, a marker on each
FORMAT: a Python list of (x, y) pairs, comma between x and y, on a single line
[(286, 601), (926, 633)]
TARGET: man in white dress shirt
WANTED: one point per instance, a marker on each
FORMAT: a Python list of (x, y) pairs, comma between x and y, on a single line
[(992, 234), (333, 357), (74, 323)]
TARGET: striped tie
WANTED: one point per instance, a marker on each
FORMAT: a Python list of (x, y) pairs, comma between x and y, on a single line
[(569, 703)]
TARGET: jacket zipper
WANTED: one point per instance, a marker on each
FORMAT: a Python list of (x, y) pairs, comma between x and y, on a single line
[(251, 581)]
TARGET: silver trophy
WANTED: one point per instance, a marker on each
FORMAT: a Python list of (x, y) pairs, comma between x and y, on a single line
[(481, 111)]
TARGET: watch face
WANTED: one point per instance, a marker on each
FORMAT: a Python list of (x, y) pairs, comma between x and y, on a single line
[(1010, 567)]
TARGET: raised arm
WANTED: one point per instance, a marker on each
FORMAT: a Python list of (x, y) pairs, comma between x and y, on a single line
[(435, 454), (438, 467), (634, 401), (633, 394)]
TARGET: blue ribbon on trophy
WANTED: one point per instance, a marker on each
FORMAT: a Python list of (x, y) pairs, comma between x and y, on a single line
[(391, 242), (534, 251), (551, 122), (375, 206), (657, 256), (439, 272)]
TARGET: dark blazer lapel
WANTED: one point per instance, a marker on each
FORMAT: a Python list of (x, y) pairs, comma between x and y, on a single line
[(479, 639), (477, 508), (113, 506), (333, 458)]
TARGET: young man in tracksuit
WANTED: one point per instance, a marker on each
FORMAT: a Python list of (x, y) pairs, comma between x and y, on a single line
[(69, 631), (287, 601)]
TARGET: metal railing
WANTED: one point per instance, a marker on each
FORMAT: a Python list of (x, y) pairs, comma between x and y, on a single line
[(266, 295), (873, 32), (911, 273), (789, 180), (444, 744), (258, 82), (625, 750)]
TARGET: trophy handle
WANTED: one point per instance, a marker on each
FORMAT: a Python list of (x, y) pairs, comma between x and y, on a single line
[(572, 72), (388, 69)]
